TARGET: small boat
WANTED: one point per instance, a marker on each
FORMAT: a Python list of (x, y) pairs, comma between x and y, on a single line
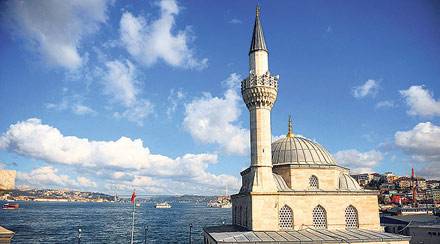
[(138, 204), (162, 205), (11, 206)]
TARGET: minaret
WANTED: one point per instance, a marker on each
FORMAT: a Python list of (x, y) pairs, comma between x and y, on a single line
[(259, 92)]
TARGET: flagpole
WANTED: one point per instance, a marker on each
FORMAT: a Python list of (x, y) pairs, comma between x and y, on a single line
[(132, 226)]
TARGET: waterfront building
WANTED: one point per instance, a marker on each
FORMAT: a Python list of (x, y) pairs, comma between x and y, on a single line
[(293, 191)]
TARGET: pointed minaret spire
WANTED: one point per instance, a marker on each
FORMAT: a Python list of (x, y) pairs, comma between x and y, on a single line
[(258, 42), (289, 129)]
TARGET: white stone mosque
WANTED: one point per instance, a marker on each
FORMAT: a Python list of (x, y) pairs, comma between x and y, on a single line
[(293, 191)]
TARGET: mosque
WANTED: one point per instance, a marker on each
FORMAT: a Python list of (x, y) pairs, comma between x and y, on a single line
[(293, 191)]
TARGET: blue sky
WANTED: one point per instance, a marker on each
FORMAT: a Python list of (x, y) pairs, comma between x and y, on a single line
[(111, 96)]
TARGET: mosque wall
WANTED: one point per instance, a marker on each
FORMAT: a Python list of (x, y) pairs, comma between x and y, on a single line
[(299, 178), (265, 209)]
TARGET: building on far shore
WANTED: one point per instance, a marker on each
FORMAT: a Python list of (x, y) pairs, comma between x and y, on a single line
[(293, 191), (7, 179)]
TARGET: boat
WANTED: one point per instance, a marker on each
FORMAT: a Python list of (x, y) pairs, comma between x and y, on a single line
[(162, 205), (11, 206), (138, 204)]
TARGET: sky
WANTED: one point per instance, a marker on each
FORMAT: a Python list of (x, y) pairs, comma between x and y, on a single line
[(112, 96)]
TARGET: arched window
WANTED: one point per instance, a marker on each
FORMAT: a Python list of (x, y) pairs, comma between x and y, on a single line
[(286, 218), (351, 218), (319, 217), (314, 183)]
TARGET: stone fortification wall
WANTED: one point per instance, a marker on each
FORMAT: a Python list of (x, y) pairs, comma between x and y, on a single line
[(7, 179)]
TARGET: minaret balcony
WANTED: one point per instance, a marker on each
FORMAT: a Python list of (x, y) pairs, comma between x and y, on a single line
[(260, 91)]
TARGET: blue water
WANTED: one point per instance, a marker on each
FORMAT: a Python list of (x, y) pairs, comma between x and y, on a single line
[(44, 222)]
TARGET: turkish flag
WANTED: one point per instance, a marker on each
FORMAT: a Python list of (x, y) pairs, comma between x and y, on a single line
[(133, 196)]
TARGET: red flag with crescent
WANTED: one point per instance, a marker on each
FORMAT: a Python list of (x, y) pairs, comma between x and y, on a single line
[(133, 197)]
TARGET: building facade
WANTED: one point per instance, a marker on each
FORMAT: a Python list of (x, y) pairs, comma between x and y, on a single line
[(293, 186)]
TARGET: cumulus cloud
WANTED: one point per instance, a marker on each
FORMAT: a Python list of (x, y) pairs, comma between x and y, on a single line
[(150, 41), (215, 119), (422, 143), (48, 176), (358, 162), (421, 101), (34, 139), (56, 28), (369, 88)]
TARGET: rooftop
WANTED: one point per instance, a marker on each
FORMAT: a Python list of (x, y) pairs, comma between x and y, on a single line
[(237, 234)]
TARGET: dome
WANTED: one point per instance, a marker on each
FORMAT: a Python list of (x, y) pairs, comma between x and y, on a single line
[(299, 150), (347, 183)]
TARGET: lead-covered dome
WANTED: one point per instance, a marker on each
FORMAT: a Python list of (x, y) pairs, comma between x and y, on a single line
[(299, 150)]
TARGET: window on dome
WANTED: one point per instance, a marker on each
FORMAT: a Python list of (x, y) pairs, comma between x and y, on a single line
[(351, 218), (314, 183), (286, 218), (319, 217)]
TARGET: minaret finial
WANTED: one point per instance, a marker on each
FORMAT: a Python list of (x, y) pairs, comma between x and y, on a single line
[(258, 42), (289, 129)]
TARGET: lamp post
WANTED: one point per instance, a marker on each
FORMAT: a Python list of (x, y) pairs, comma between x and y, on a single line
[(145, 234), (79, 235), (190, 237)]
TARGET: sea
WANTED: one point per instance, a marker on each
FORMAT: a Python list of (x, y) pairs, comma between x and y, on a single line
[(59, 222)]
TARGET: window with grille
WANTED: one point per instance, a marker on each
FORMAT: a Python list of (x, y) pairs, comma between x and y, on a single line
[(286, 218), (314, 183), (351, 218), (319, 217)]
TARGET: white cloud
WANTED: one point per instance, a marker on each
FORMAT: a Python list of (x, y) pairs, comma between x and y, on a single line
[(175, 97), (370, 87), (359, 162), (56, 28), (33, 139), (81, 109), (421, 101), (138, 112), (74, 103), (235, 21), (120, 81), (151, 41), (422, 143), (121, 84), (48, 176), (385, 104), (215, 119), (85, 182)]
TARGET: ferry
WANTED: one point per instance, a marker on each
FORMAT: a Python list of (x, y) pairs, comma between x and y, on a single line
[(8, 206), (162, 205)]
